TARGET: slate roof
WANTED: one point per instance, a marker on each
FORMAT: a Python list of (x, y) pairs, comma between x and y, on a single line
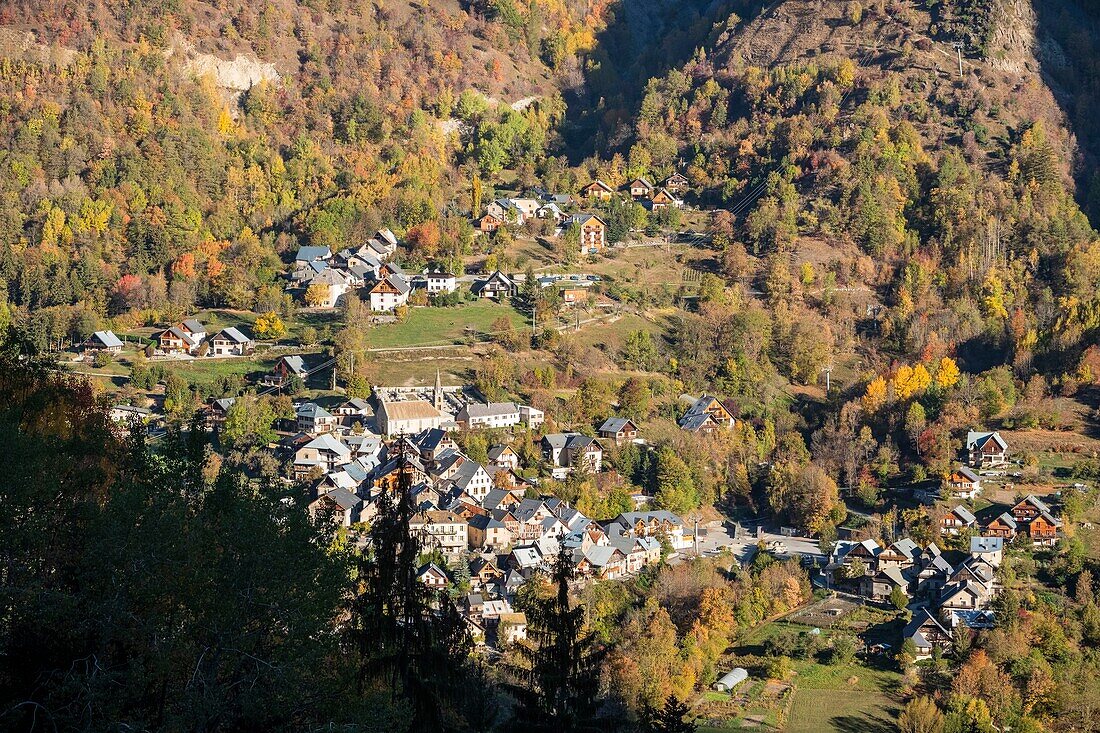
[(600, 555), (296, 364), (232, 334), (312, 410), (582, 219), (978, 439), (495, 282), (1036, 502), (907, 547), (497, 451), (983, 545), (429, 439), (326, 442), (921, 619), (182, 335), (696, 421), (309, 254), (343, 498), (660, 515), (224, 403), (964, 514), (466, 473), (485, 522), (614, 424), (967, 474)]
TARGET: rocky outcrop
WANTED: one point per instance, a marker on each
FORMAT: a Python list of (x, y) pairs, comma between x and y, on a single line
[(23, 45), (231, 75)]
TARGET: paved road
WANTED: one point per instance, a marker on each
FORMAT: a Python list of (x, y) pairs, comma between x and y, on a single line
[(719, 536)]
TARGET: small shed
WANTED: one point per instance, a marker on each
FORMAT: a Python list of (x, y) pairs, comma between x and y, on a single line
[(731, 679)]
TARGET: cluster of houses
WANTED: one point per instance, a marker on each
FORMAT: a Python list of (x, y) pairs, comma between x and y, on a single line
[(945, 589), (546, 526), (189, 337), (1030, 519), (641, 190), (324, 277), (519, 211), (488, 516), (544, 205)]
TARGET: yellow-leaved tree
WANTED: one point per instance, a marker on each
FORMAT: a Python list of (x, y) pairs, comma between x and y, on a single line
[(270, 326), (947, 373), (911, 381), (875, 396)]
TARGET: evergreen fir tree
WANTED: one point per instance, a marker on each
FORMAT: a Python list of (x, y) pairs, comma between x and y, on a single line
[(670, 718), (559, 673), (410, 637)]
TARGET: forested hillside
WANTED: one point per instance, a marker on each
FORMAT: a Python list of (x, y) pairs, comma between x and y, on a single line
[(146, 176), (956, 192)]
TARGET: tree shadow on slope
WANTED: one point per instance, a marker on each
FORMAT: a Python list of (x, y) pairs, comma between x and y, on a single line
[(1069, 59), (643, 39)]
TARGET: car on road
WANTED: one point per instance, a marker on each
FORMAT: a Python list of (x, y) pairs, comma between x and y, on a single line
[(595, 278)]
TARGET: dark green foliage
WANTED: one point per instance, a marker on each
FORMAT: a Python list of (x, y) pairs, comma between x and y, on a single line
[(672, 718), (409, 637), (138, 594), (970, 22), (557, 679)]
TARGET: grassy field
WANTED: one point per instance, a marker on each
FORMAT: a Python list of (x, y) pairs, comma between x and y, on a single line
[(858, 696), (441, 326), (456, 366), (202, 372), (822, 711)]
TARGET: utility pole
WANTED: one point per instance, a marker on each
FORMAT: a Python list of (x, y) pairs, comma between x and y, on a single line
[(958, 46), (828, 379)]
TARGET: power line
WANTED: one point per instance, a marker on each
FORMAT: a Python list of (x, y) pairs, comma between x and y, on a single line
[(756, 191)]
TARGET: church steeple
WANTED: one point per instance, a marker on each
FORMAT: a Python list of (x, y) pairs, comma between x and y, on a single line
[(438, 391)]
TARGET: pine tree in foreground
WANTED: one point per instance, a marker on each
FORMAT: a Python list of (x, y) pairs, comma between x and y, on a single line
[(558, 676), (410, 638)]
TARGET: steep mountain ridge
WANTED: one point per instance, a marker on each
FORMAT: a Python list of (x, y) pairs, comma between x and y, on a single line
[(853, 125)]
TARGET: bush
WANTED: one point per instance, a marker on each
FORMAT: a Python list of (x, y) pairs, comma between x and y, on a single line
[(843, 651)]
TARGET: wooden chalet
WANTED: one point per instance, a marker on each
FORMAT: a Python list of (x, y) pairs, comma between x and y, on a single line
[(956, 520), (677, 183), (489, 224), (963, 483), (619, 429), (1004, 526), (662, 199), (639, 188), (598, 191), (986, 449), (593, 233)]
